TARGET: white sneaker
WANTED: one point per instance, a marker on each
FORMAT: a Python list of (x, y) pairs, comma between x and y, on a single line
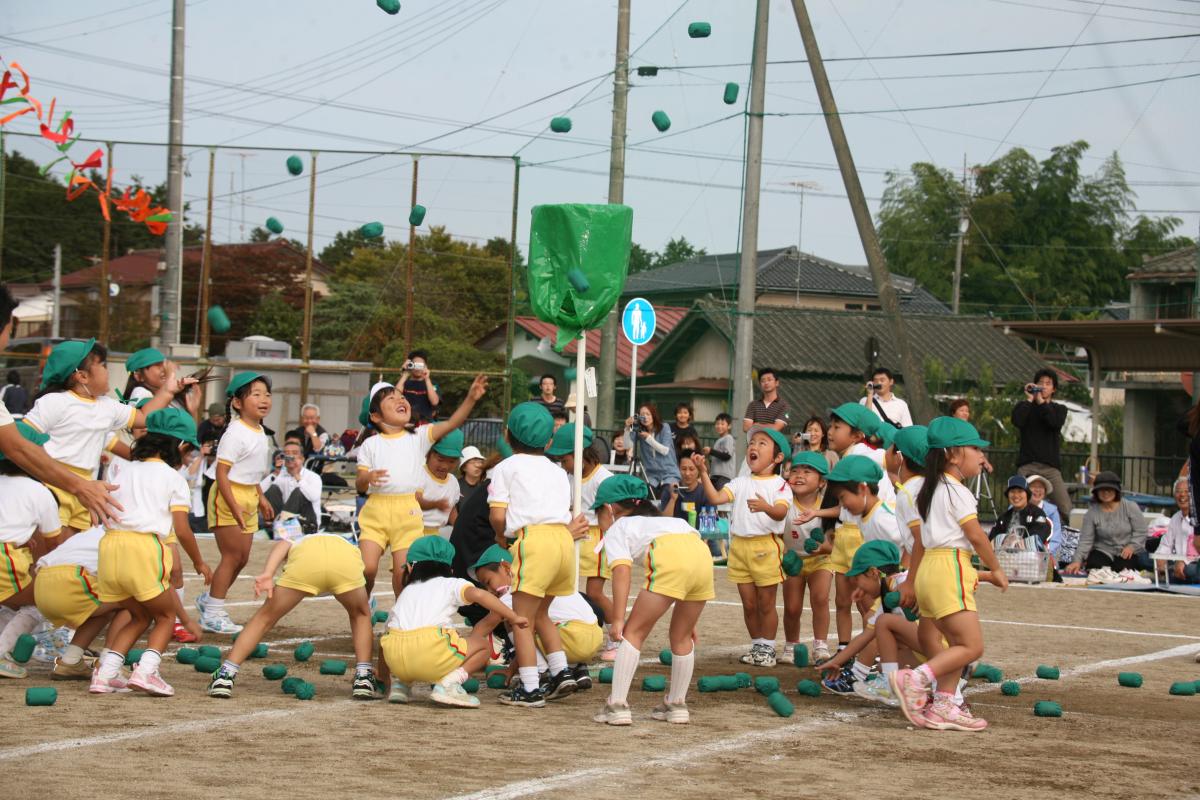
[(150, 682), (875, 688), (751, 656), (398, 693), (454, 695), (820, 653), (765, 657), (614, 714), (219, 622), (201, 603), (676, 713)]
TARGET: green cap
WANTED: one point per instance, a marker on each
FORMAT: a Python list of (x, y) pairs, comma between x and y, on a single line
[(857, 416), (431, 548), (913, 442), (563, 442), (620, 487), (493, 555), (886, 434), (875, 553), (451, 444), (64, 359), (146, 357), (531, 424), (778, 438), (954, 432), (503, 448), (31, 434), (856, 469), (811, 458), (364, 414), (244, 379), (174, 422)]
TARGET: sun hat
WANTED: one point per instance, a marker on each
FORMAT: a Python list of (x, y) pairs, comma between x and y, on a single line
[(913, 443), (856, 469), (1106, 480), (531, 425)]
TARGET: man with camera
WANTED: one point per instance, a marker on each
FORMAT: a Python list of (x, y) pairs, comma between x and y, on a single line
[(294, 488), (418, 388), (1040, 421), (887, 406)]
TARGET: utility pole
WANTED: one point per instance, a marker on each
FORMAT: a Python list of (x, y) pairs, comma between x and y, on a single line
[(412, 243), (56, 314), (607, 401), (206, 258), (914, 374), (306, 342), (172, 283), (743, 343), (1196, 314), (963, 224), (3, 192)]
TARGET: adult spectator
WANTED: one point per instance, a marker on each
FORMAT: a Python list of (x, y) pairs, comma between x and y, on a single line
[(212, 426), (655, 448), (294, 488), (770, 410), (961, 408), (815, 437), (14, 396), (1038, 488), (1040, 421), (682, 426), (419, 389), (569, 409), (1114, 530), (1189, 426), (547, 394), (470, 473), (312, 436), (883, 402), (1021, 512)]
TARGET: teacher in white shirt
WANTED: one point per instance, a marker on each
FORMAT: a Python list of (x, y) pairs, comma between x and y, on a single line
[(886, 405)]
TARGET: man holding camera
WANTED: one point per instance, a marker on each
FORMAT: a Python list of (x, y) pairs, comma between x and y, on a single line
[(294, 488), (887, 406), (1040, 421), (418, 387)]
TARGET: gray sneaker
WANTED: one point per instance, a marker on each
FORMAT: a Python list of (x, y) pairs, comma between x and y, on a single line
[(752, 656)]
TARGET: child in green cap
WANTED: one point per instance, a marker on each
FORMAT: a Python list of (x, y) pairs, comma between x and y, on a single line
[(806, 479), (148, 370), (439, 492)]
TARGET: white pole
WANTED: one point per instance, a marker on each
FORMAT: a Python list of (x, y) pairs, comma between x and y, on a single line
[(633, 383), (577, 499), (56, 314)]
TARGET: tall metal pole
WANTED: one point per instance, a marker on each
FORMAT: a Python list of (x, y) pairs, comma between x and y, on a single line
[(104, 297), (306, 342), (1196, 313), (914, 374), (3, 192), (172, 282), (958, 248), (56, 314), (607, 400), (412, 244), (506, 403), (206, 257), (743, 344)]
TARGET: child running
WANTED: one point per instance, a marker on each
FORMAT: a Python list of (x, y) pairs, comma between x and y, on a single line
[(943, 578), (134, 565), (420, 645), (807, 481), (679, 573), (439, 492)]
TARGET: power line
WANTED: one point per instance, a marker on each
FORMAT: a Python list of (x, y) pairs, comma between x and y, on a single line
[(82, 19), (1086, 13)]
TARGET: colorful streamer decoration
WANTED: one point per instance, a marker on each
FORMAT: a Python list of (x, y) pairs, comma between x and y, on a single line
[(135, 204)]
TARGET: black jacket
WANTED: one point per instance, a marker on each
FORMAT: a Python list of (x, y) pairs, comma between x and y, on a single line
[(1041, 432), (1031, 517)]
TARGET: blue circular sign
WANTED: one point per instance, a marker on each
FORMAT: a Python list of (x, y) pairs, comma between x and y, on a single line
[(638, 321)]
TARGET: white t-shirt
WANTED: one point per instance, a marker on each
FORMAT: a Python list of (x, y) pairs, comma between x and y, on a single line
[(591, 485), (951, 506), (139, 393), (797, 534), (309, 485), (29, 507), (744, 522), (886, 491), (429, 603), (5, 417), (245, 449), (628, 539), (532, 489), (435, 489), (568, 608), (906, 508), (880, 523), (150, 492), (402, 455), (82, 549), (79, 427), (893, 582), (896, 409)]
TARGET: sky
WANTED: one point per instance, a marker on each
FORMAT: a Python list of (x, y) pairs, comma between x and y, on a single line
[(317, 75)]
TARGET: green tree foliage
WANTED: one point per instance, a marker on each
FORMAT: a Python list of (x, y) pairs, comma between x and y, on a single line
[(342, 248), (277, 318), (675, 251), (1042, 233)]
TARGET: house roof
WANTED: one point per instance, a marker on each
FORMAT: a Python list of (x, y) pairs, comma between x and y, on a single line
[(784, 269), (831, 344), (1179, 263), (667, 318), (1135, 345)]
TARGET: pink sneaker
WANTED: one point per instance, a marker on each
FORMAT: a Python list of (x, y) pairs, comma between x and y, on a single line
[(945, 716), (107, 686), (610, 653), (150, 682), (912, 694)]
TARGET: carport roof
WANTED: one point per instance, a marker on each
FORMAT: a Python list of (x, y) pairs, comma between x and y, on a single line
[(1135, 345)]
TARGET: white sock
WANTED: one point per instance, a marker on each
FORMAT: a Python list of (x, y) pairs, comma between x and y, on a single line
[(364, 667), (764, 642), (230, 667), (860, 670), (529, 677), (455, 678), (215, 605), (24, 621), (72, 655), (541, 662), (958, 695), (681, 676), (557, 661), (110, 664), (149, 661), (624, 668), (889, 667), (179, 593)]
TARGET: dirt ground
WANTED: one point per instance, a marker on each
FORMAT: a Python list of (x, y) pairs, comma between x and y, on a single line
[(1111, 742)]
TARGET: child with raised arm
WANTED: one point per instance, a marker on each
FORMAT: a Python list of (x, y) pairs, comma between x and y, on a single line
[(807, 482)]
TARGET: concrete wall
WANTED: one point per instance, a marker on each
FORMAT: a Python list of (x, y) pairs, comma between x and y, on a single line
[(1139, 422)]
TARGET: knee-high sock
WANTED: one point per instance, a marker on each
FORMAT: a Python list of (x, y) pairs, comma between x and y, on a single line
[(24, 621), (681, 676), (623, 670)]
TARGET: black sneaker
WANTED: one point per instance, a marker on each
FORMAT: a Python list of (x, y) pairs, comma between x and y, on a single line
[(842, 683), (583, 678), (221, 684), (364, 687), (517, 696), (561, 685)]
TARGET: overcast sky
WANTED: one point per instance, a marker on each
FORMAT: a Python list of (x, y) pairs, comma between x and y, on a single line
[(360, 79)]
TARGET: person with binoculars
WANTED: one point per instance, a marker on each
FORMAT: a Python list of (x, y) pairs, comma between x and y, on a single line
[(1040, 421), (886, 405)]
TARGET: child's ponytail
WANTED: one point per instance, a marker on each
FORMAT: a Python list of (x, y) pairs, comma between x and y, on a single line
[(935, 465)]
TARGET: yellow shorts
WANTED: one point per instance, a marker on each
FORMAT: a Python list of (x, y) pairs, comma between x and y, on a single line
[(391, 521), (15, 561), (136, 565), (591, 563), (946, 583), (543, 561), (171, 539), (423, 654), (323, 564), (71, 513), (66, 594), (846, 541), (581, 640), (245, 495), (756, 559), (679, 566), (816, 564)]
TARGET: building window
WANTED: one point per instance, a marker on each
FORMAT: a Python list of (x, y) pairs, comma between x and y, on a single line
[(854, 306)]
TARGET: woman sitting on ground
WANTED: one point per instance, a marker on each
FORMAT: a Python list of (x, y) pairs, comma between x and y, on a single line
[(1114, 530)]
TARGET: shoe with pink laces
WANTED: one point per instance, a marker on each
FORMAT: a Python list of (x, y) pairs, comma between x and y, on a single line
[(912, 693), (150, 682), (943, 715), (118, 684), (609, 653)]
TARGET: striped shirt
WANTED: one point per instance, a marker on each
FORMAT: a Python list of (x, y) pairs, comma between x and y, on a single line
[(761, 413)]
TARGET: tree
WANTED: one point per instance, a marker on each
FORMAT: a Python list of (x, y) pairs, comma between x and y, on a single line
[(641, 259), (342, 248), (277, 318), (678, 250)]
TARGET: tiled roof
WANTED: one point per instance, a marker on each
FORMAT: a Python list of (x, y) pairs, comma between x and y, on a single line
[(1177, 263), (667, 318)]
